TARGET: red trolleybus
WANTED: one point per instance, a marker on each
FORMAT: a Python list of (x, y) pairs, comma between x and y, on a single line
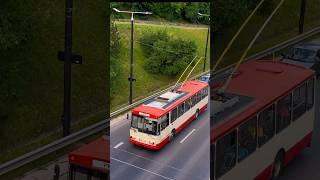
[(262, 120), (158, 120), (90, 161)]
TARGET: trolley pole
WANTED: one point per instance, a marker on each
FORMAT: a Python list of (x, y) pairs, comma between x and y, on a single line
[(68, 59), (302, 15)]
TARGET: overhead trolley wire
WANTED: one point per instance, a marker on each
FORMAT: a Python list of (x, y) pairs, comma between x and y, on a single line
[(250, 46)]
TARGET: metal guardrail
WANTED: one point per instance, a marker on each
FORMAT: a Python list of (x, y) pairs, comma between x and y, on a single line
[(103, 125)]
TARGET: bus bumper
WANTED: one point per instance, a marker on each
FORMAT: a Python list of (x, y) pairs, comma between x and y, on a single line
[(148, 146)]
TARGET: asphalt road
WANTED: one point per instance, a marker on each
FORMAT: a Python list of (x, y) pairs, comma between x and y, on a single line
[(186, 157), (307, 165)]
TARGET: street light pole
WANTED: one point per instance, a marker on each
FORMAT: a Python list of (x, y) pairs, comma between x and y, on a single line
[(205, 55), (69, 58), (205, 52), (67, 68), (131, 61), (302, 14), (131, 79)]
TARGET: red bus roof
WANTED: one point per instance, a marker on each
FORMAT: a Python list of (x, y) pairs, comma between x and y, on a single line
[(91, 155), (190, 87), (265, 81)]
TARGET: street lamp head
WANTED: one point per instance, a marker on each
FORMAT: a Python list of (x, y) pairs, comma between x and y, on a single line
[(116, 10), (148, 13)]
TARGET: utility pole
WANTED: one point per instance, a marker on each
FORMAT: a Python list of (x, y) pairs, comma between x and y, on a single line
[(131, 79), (208, 32), (68, 59), (205, 55), (302, 14), (131, 62)]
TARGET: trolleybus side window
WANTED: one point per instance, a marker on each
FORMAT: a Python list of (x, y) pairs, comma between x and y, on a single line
[(188, 104), (266, 125), (164, 121), (181, 109), (247, 138), (174, 114), (283, 113), (299, 101), (194, 100), (310, 93), (226, 153)]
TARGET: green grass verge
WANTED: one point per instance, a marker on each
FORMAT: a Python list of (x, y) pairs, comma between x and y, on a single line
[(147, 82), (35, 75)]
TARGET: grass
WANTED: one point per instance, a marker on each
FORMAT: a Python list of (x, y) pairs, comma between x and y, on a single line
[(147, 82), (32, 117), (283, 26)]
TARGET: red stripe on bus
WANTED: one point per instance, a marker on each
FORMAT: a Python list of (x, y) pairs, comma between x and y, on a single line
[(289, 155), (155, 147), (296, 149), (265, 174)]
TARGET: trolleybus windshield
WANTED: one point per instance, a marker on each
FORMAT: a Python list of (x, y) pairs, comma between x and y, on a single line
[(145, 125)]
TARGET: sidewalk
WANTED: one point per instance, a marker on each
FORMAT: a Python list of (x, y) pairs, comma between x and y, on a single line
[(47, 171)]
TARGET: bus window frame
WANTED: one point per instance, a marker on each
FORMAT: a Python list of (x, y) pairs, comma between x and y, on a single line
[(304, 83), (274, 122)]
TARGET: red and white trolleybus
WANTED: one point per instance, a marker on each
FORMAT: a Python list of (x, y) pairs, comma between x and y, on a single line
[(90, 161), (262, 121), (158, 120)]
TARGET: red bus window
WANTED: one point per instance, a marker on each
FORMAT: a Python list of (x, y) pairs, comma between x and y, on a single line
[(226, 153), (310, 93), (266, 125), (247, 138), (299, 101), (283, 113)]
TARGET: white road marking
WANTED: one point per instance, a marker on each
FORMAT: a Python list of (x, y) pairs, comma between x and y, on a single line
[(141, 168), (118, 145), (187, 136), (148, 159)]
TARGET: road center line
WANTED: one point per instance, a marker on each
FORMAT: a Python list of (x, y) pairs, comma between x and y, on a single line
[(118, 145), (141, 168), (187, 136)]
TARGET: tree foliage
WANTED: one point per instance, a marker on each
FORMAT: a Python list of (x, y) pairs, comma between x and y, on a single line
[(14, 27), (168, 55), (173, 11), (229, 12)]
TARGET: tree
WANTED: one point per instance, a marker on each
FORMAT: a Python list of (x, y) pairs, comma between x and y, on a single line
[(169, 56)]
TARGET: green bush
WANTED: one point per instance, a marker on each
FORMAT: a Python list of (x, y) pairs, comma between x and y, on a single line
[(149, 39), (169, 55)]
